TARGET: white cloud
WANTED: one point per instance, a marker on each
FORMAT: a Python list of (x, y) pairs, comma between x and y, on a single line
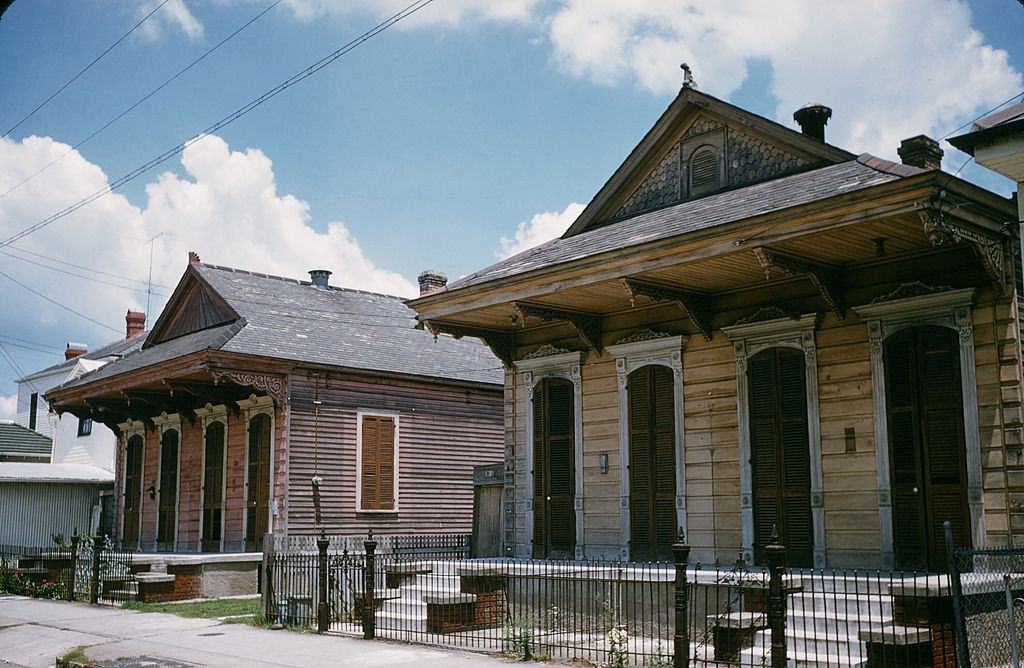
[(445, 12), (8, 407), (174, 16), (542, 227), (226, 208)]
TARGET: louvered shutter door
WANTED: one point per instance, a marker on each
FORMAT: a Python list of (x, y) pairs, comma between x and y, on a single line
[(132, 490), (663, 418), (703, 172), (763, 449), (908, 510), (258, 493), (370, 454), (640, 477), (540, 535), (796, 531), (167, 509), (561, 469), (386, 464)]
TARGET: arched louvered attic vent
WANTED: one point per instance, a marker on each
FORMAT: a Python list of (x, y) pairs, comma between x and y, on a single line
[(703, 171)]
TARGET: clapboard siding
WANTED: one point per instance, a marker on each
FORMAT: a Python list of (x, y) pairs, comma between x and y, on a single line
[(444, 431)]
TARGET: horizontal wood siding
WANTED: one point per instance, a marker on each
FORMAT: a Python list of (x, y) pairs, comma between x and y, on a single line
[(444, 431)]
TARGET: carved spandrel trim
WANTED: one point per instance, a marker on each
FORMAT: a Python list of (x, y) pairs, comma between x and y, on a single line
[(502, 344), (825, 277), (272, 384), (696, 305), (991, 250), (546, 350), (908, 290), (586, 325), (764, 314)]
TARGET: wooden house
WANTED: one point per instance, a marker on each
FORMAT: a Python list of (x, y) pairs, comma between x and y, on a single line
[(749, 328), (260, 404)]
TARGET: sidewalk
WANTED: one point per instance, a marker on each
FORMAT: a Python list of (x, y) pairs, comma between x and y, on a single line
[(34, 632)]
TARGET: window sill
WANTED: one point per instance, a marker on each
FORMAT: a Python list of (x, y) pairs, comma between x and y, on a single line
[(370, 511)]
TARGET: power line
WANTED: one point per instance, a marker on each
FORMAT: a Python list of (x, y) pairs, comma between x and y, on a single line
[(82, 276), (30, 348), (985, 113), (57, 303), (84, 70), (140, 101), (308, 72), (35, 343), (89, 269), (13, 363)]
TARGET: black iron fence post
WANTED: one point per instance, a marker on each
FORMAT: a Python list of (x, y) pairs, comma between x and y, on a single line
[(94, 576), (74, 565), (776, 555), (369, 597), (681, 639), (321, 571), (963, 654)]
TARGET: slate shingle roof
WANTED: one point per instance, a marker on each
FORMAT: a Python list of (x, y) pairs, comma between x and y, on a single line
[(19, 441), (292, 320), (699, 214), (118, 348)]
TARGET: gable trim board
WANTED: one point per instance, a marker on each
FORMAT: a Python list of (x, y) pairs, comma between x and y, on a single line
[(666, 351), (951, 309), (209, 308)]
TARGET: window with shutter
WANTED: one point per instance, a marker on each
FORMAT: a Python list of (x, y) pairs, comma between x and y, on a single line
[(703, 171), (132, 490), (554, 470), (780, 456), (927, 461), (257, 492), (213, 486), (377, 462), (652, 484), (167, 509)]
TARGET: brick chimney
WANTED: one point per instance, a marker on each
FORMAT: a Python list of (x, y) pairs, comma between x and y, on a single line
[(74, 350), (432, 281), (812, 118), (921, 151), (135, 324)]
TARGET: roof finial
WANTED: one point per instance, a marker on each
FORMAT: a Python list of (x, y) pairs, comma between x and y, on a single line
[(193, 258), (688, 81)]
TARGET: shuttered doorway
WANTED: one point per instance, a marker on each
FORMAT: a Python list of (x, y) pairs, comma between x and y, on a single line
[(213, 487), (780, 458), (167, 509), (554, 484), (257, 494), (132, 490), (927, 462), (652, 467)]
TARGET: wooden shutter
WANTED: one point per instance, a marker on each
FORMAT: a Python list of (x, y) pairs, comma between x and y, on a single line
[(258, 491), (168, 506), (378, 463), (652, 463), (554, 469), (540, 468), (763, 449), (703, 171), (663, 421), (132, 490), (213, 486)]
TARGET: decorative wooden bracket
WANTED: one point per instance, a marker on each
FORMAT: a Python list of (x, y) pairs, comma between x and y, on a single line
[(502, 344), (273, 385), (586, 325), (696, 305), (991, 250), (825, 277)]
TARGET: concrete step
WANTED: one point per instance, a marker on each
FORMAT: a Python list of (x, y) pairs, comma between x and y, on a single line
[(397, 621), (404, 606), (813, 644), (801, 659), (848, 625), (846, 583), (421, 590), (847, 605)]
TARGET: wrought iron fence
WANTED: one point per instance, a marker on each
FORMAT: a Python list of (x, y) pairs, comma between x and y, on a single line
[(617, 613), (77, 570)]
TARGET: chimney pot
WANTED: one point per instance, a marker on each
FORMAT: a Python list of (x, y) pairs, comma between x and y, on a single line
[(812, 118), (432, 281), (135, 324), (921, 151), (320, 278), (74, 350)]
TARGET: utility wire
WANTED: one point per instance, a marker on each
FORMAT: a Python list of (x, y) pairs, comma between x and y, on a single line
[(23, 346), (230, 118), (89, 269), (140, 101), (57, 303), (35, 343), (985, 113), (82, 276), (84, 70), (13, 363)]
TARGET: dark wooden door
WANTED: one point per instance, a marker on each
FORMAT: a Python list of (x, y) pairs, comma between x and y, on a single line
[(780, 458), (213, 486), (927, 463), (554, 477), (132, 491), (652, 463), (257, 506), (167, 509)]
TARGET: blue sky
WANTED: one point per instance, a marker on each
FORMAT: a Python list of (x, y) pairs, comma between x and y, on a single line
[(430, 143)]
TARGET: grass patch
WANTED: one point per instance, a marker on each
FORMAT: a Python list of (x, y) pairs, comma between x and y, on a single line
[(215, 607), (77, 655)]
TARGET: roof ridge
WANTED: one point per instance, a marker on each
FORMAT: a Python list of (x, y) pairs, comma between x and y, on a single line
[(888, 166), (338, 288)]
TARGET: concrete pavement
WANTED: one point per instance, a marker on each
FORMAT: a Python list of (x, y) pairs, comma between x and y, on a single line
[(34, 632)]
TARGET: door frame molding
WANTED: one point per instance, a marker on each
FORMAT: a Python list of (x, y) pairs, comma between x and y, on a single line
[(566, 365), (910, 305), (640, 349), (748, 339)]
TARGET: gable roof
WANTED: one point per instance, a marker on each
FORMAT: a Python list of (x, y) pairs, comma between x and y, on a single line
[(684, 107), (699, 214), (292, 320), (115, 349), (19, 441), (991, 127)]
